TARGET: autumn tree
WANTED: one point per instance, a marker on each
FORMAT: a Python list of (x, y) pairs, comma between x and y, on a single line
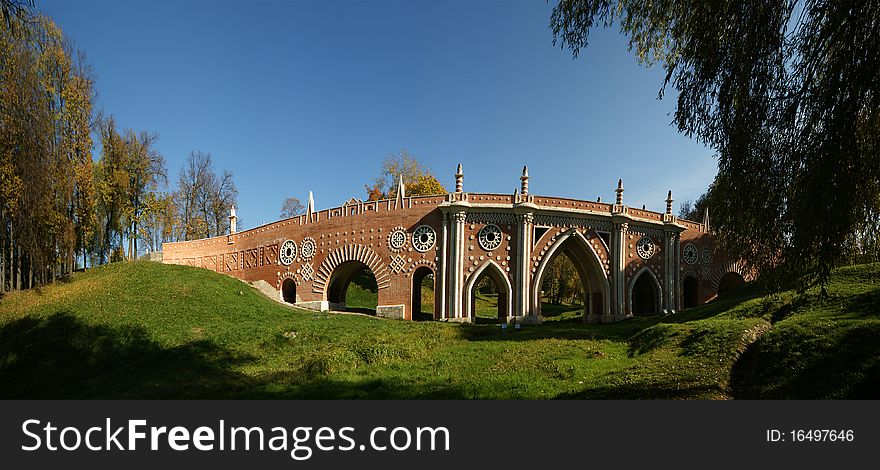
[(291, 207), (787, 93), (203, 198), (46, 200), (158, 220), (417, 178), (146, 172), (562, 283)]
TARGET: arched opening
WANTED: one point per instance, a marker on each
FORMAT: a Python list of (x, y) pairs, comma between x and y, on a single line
[(489, 295), (593, 285), (690, 292), (423, 294), (288, 290), (563, 289), (645, 294), (353, 288), (729, 281)]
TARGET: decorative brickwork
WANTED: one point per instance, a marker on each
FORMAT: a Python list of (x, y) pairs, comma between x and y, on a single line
[(627, 259)]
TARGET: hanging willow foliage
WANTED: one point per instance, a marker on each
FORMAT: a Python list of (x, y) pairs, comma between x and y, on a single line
[(788, 95)]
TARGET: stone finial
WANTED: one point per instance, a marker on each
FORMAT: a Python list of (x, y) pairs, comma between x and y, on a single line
[(232, 220), (524, 180), (459, 179), (706, 219), (619, 192), (401, 192), (310, 208), (599, 199), (669, 202)]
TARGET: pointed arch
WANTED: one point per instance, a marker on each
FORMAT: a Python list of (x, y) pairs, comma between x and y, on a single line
[(658, 290), (359, 253), (588, 264), (500, 278)]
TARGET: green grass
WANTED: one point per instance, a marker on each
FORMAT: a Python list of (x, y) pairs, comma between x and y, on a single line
[(362, 294), (146, 330)]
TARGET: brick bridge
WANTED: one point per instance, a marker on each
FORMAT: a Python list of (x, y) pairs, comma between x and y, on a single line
[(629, 260)]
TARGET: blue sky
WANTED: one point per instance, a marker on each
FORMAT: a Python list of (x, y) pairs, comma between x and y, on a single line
[(292, 96)]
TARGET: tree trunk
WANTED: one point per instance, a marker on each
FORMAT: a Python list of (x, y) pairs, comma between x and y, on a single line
[(18, 268)]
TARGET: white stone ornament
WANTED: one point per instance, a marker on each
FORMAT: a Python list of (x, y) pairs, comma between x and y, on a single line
[(307, 271), (397, 239), (397, 264), (490, 237), (424, 238), (307, 249), (646, 247), (288, 252), (690, 254)]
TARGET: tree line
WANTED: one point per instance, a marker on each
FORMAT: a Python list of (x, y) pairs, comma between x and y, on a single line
[(60, 208)]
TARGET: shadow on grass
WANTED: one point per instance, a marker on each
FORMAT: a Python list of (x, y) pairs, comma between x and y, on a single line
[(644, 391), (800, 365), (363, 310), (61, 357), (572, 329)]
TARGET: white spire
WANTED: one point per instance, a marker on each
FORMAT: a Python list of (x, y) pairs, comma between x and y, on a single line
[(401, 192)]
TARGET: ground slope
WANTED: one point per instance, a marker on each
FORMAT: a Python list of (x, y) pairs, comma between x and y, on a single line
[(146, 330)]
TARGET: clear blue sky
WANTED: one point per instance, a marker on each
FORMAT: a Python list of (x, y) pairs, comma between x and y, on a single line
[(292, 96)]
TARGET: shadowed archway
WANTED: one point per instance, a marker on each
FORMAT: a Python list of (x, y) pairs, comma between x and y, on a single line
[(729, 281), (644, 293), (690, 292), (288, 290), (423, 294)]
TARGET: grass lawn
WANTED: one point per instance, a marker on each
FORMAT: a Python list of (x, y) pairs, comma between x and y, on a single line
[(146, 330)]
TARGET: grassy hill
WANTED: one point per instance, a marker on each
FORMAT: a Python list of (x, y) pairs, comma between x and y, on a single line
[(146, 330)]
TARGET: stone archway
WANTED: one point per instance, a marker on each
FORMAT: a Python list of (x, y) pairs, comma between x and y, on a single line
[(645, 293), (594, 279), (505, 291), (718, 274), (421, 276), (730, 281), (288, 290), (359, 253), (340, 281)]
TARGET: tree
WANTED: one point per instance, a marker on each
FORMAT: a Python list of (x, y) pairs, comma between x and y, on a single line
[(203, 198), (158, 220), (697, 210), (146, 172), (417, 178), (787, 93), (291, 207), (47, 198), (16, 11), (111, 184), (562, 282)]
